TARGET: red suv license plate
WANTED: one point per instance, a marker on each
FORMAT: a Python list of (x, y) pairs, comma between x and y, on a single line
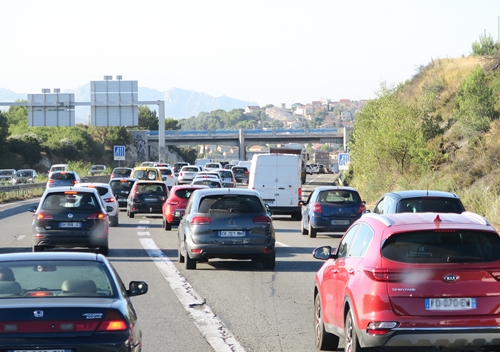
[(450, 303)]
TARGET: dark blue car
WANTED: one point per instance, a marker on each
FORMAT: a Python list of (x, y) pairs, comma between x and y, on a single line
[(331, 209)]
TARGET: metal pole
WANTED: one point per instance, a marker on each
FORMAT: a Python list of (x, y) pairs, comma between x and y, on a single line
[(161, 131)]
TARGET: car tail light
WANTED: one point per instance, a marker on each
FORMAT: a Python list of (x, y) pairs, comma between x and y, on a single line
[(201, 220), (109, 200), (261, 220), (379, 274), (172, 202), (112, 175), (113, 321), (49, 182), (180, 173), (317, 208), (299, 192), (171, 176), (96, 216), (361, 208), (42, 216), (495, 274), (381, 327), (247, 172), (74, 182)]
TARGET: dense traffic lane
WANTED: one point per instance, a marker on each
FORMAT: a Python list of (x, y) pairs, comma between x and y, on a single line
[(260, 310)]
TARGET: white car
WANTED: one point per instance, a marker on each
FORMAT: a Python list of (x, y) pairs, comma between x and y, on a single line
[(314, 169), (211, 166), (188, 173), (107, 196), (168, 176)]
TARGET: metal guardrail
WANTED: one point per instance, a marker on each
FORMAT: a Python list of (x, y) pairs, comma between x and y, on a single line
[(22, 186)]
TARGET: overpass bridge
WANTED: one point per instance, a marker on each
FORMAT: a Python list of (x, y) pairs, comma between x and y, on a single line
[(248, 137)]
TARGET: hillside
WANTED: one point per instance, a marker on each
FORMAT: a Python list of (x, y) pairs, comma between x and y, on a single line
[(454, 103)]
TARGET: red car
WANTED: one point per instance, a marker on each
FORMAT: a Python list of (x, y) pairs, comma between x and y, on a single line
[(176, 203), (410, 280)]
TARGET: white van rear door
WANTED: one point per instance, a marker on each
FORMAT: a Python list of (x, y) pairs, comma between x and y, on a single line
[(287, 181)]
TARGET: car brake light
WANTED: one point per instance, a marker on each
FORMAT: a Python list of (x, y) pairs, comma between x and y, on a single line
[(261, 220), (381, 327), (180, 173), (361, 208), (380, 274), (317, 208), (109, 200), (50, 181), (247, 172), (113, 321), (41, 216), (201, 220), (96, 216)]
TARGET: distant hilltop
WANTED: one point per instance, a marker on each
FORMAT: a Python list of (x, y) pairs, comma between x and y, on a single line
[(179, 103)]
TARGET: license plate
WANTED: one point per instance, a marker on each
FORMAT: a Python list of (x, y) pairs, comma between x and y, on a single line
[(122, 199), (150, 199), (70, 224), (340, 222), (232, 233), (269, 201), (450, 303)]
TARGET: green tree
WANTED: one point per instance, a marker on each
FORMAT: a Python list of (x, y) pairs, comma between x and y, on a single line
[(27, 146), (148, 120), (18, 118), (475, 104), (171, 124), (4, 131), (485, 46)]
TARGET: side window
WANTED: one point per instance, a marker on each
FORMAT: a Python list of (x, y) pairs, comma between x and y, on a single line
[(388, 203), (379, 206), (346, 242), (361, 242)]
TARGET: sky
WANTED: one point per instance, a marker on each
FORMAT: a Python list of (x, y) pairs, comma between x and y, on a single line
[(265, 51)]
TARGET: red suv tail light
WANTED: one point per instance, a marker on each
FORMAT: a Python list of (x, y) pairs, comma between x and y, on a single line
[(381, 327), (385, 275), (201, 220), (113, 321), (317, 208)]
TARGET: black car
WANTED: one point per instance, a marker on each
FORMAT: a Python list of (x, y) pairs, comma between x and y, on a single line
[(330, 209), (240, 173), (66, 301), (121, 189), (123, 172), (70, 217), (146, 197), (419, 201)]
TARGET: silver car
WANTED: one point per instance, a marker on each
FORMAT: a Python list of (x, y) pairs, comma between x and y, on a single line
[(187, 174), (226, 223)]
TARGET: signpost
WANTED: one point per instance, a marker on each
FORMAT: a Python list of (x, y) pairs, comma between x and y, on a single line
[(119, 152), (344, 159)]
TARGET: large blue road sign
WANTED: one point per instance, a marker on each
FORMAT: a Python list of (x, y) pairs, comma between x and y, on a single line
[(119, 151), (344, 159)]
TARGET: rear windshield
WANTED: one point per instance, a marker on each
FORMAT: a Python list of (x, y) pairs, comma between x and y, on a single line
[(24, 173), (339, 196), (122, 172), (63, 176), (207, 182), (157, 188), (166, 172), (61, 200), (443, 246), (226, 174), (6, 172), (58, 168), (212, 165), (231, 204), (145, 174), (184, 193), (237, 169), (118, 185), (192, 169), (430, 204)]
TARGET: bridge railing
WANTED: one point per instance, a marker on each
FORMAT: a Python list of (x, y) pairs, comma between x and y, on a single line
[(264, 131)]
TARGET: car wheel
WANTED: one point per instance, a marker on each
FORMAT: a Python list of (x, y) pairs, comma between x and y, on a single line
[(104, 250), (167, 226), (189, 263), (38, 249), (350, 336), (303, 229), (312, 231), (180, 257), (269, 263), (130, 214), (324, 340)]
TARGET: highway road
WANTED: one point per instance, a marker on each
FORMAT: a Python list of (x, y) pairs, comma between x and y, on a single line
[(224, 305)]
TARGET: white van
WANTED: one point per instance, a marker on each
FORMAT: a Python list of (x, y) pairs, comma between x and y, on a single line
[(277, 178), (58, 167)]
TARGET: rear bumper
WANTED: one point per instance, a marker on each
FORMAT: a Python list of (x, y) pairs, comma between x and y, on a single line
[(322, 224), (146, 208), (285, 210), (233, 251), (70, 240)]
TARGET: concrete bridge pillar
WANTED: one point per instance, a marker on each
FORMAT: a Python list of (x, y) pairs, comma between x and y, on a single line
[(242, 147)]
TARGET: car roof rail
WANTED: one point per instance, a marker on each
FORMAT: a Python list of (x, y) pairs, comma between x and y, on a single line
[(478, 218), (383, 219)]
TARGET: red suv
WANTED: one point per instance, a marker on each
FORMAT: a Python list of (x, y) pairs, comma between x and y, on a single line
[(175, 205), (426, 280)]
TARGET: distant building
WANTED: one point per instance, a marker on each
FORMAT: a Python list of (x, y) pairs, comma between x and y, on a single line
[(251, 109)]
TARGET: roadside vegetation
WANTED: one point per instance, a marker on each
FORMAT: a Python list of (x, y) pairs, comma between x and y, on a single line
[(439, 130)]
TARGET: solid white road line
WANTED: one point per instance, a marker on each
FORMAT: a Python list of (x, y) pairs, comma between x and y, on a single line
[(212, 329)]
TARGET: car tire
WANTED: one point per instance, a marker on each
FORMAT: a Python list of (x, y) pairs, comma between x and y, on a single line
[(350, 336), (189, 262), (180, 257), (268, 263), (324, 340), (104, 250), (312, 231), (130, 214), (303, 230), (38, 249), (166, 225)]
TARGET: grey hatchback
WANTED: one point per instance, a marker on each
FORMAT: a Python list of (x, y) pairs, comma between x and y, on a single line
[(226, 223), (419, 201)]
